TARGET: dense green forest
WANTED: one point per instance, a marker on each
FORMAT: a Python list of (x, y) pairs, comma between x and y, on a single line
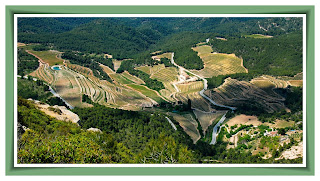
[(26, 62), (280, 55), (137, 35), (132, 128), (37, 90), (132, 137)]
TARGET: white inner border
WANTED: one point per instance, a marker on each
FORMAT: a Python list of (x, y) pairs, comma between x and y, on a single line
[(159, 15)]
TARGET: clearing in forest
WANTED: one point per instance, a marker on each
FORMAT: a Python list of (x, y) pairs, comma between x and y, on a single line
[(218, 63), (257, 36), (244, 120), (164, 55), (280, 124), (116, 64), (49, 57)]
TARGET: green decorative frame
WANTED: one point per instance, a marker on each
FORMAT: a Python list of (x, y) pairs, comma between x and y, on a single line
[(11, 10)]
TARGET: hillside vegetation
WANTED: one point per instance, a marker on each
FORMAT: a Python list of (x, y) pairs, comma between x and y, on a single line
[(159, 90)]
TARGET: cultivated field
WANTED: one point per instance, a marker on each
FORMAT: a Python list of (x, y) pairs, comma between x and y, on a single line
[(132, 78), (107, 69), (165, 74), (80, 69), (120, 79), (207, 118), (49, 57), (44, 73), (218, 63), (244, 120), (234, 93), (280, 124), (197, 101), (190, 87), (71, 83), (189, 125), (297, 83), (146, 91)]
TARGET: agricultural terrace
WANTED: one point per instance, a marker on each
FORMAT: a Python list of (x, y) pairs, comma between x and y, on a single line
[(234, 93), (165, 74), (147, 92), (189, 125), (277, 82), (151, 69), (207, 118), (167, 94), (106, 69), (44, 73), (132, 78), (71, 85), (257, 36), (197, 101), (218, 63), (296, 83), (50, 57), (120, 79), (80, 69), (190, 87)]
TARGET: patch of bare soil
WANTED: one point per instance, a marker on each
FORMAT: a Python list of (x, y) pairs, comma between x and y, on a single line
[(244, 120), (292, 153), (58, 112)]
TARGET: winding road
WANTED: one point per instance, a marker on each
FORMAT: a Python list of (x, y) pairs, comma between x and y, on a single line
[(205, 87)]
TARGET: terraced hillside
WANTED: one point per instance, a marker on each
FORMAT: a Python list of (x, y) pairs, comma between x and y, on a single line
[(218, 63), (236, 93), (72, 81), (167, 75)]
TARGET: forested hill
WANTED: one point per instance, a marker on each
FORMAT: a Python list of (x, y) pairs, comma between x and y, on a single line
[(126, 37)]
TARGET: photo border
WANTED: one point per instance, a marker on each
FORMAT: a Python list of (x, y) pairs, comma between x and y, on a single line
[(308, 10)]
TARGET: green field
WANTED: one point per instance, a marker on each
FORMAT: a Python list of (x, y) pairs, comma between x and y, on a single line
[(147, 92), (120, 79), (49, 57), (218, 63)]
